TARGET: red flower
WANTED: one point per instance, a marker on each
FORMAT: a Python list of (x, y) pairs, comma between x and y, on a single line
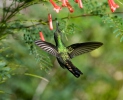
[(69, 6), (64, 3), (50, 21), (80, 3), (41, 36), (76, 1), (113, 5), (56, 7)]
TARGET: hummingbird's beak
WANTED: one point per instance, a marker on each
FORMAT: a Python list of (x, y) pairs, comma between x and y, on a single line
[(57, 25), (57, 28)]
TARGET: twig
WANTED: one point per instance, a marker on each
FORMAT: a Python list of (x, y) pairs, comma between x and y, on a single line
[(28, 74), (46, 22)]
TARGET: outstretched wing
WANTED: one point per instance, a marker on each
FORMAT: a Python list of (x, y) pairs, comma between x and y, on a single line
[(80, 48), (50, 48)]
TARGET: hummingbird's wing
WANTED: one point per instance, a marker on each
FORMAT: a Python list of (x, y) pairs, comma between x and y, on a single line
[(80, 48), (46, 46)]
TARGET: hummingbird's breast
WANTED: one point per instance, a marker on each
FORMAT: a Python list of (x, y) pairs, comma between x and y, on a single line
[(63, 53)]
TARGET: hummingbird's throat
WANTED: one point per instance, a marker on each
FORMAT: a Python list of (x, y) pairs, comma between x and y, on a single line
[(60, 43)]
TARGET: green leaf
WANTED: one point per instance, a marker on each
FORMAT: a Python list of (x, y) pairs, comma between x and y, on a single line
[(121, 39), (6, 69), (2, 64), (116, 30), (118, 34)]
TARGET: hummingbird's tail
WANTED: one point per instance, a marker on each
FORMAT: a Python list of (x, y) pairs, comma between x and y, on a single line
[(75, 71)]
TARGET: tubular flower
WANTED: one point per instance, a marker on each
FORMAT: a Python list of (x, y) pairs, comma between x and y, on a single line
[(80, 3), (64, 3), (69, 6), (50, 21), (113, 5), (56, 7), (76, 1), (41, 36)]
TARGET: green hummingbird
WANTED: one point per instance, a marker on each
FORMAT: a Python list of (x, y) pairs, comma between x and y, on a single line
[(63, 53)]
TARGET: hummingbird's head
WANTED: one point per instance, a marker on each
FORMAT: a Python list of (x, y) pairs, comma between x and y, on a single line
[(57, 33)]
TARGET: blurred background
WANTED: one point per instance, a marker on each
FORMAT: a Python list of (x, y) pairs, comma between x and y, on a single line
[(102, 68)]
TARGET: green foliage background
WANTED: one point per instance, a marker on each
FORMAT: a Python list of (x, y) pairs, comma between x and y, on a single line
[(28, 73)]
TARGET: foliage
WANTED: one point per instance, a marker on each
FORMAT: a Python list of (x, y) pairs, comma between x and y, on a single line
[(23, 65)]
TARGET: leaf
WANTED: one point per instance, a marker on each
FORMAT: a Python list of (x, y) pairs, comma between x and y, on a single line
[(119, 33), (116, 30), (121, 39), (8, 75), (2, 64), (6, 69)]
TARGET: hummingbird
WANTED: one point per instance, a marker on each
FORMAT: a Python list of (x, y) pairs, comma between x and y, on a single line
[(65, 53)]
